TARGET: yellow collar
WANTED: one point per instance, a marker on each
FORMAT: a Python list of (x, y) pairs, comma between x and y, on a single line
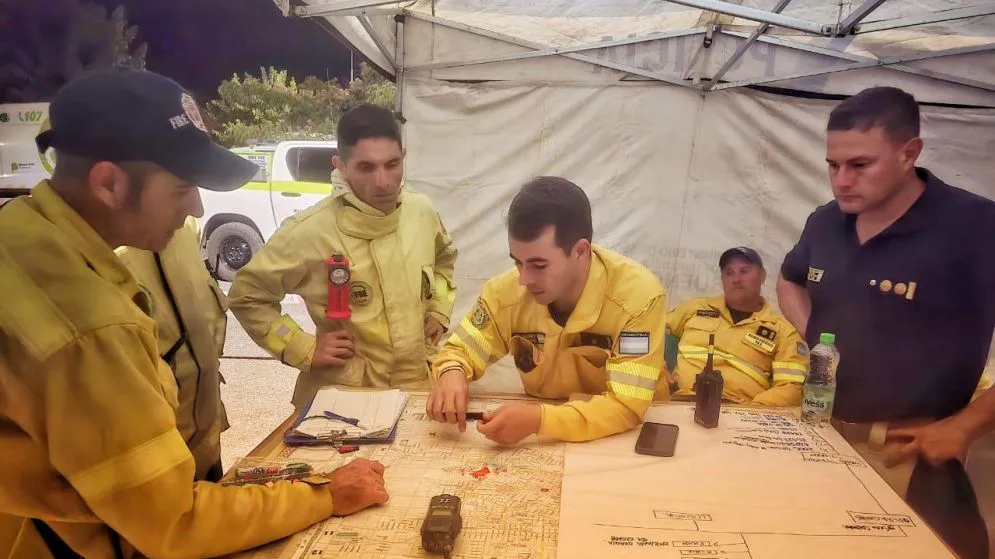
[(719, 303), (99, 256), (359, 219), (592, 298)]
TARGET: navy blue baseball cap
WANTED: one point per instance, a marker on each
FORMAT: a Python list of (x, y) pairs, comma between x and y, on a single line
[(121, 115), (746, 253)]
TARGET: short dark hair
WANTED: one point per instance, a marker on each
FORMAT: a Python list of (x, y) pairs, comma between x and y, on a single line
[(551, 201), (888, 107), (364, 122)]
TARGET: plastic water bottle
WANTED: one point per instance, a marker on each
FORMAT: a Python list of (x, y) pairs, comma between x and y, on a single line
[(820, 382)]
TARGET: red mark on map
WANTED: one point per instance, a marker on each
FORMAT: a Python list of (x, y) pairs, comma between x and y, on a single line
[(481, 473)]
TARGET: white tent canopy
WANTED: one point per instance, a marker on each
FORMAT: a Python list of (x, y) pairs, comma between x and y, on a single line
[(645, 104)]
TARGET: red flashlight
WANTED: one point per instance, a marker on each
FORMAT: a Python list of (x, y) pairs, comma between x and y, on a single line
[(338, 287)]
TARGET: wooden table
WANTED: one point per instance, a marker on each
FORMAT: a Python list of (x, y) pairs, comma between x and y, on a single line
[(761, 486)]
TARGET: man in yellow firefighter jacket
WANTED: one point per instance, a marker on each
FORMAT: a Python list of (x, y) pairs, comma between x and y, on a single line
[(401, 265), (190, 312), (577, 318), (92, 459), (760, 355)]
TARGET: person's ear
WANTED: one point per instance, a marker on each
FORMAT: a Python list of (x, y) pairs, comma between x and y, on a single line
[(582, 247), (108, 184), (910, 152), (336, 161)]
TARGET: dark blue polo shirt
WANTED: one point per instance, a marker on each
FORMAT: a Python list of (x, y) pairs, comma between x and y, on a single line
[(913, 309)]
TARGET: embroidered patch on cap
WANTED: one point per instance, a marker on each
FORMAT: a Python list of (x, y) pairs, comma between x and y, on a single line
[(192, 112), (634, 343), (815, 275)]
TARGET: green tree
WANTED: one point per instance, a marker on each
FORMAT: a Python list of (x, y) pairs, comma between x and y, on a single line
[(274, 106), (56, 40)]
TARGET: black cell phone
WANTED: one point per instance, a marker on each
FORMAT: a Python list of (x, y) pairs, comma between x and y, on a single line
[(657, 439)]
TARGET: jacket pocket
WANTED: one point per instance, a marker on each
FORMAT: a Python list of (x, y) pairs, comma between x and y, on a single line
[(219, 326), (427, 282)]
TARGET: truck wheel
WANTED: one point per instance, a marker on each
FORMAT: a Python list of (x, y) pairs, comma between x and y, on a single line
[(231, 246)]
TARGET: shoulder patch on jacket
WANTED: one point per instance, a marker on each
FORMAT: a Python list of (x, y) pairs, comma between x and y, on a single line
[(479, 317), (708, 313)]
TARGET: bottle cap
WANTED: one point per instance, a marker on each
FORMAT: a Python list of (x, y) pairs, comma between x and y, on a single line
[(827, 338)]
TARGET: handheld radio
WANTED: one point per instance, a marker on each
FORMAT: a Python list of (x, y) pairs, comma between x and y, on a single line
[(708, 391)]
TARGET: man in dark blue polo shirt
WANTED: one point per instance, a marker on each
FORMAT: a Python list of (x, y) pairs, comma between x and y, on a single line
[(901, 267)]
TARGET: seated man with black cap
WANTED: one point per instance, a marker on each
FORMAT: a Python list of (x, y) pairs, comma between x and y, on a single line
[(761, 357)]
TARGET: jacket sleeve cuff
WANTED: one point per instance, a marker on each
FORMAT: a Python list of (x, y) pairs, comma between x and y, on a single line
[(442, 318), (440, 368), (300, 351)]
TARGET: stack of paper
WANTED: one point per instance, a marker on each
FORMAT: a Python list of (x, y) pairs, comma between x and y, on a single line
[(340, 414)]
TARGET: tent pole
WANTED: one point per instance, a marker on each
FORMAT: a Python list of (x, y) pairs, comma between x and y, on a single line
[(333, 8), (855, 58), (399, 68), (533, 45), (365, 22), (922, 19), (744, 47), (558, 50), (761, 16), (857, 16), (869, 63)]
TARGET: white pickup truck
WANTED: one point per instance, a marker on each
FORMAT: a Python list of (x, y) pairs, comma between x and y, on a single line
[(292, 176)]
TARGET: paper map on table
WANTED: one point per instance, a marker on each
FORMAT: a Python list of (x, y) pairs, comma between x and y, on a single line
[(762, 485), (510, 496)]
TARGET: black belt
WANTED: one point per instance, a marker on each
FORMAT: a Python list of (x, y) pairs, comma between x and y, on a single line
[(61, 550)]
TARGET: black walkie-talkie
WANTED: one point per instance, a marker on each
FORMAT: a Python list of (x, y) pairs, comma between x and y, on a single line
[(708, 391)]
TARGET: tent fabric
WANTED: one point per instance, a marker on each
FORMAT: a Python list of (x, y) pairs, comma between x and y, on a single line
[(675, 175), (430, 37)]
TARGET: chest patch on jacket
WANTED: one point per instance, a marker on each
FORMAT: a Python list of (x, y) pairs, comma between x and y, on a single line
[(597, 340), (756, 341), (708, 313), (360, 293), (145, 300), (634, 343)]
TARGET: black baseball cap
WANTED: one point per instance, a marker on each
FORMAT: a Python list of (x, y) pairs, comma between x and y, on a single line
[(125, 114), (745, 253)]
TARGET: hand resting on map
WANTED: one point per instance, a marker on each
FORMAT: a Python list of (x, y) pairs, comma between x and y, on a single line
[(356, 486)]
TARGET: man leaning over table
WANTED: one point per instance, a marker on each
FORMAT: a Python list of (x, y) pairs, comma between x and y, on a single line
[(760, 355), (577, 318), (93, 462), (401, 265)]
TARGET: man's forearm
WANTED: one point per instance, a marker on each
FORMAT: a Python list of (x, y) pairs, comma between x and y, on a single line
[(978, 418), (795, 303)]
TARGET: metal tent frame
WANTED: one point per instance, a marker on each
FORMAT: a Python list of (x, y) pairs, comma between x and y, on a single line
[(853, 24)]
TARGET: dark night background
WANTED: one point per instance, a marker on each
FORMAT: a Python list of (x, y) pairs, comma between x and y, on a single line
[(202, 42)]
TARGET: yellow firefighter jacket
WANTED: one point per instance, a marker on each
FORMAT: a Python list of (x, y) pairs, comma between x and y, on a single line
[(87, 408), (611, 346), (191, 335), (401, 268), (763, 359)]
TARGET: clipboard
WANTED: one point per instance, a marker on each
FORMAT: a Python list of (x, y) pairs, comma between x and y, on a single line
[(293, 437)]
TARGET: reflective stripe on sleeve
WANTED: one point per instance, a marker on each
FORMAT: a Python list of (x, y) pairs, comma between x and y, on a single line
[(133, 467), (788, 371), (478, 351)]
